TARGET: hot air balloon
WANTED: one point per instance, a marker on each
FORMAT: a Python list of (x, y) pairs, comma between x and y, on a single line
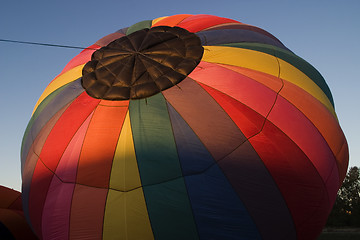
[(183, 127), (13, 225)]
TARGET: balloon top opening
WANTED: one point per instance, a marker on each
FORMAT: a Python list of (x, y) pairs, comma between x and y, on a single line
[(142, 63)]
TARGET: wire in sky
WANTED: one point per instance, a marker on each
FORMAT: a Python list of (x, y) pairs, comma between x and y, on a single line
[(44, 44)]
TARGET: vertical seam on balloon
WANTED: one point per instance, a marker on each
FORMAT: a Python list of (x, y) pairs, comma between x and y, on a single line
[(182, 175), (108, 190), (335, 162), (262, 127), (215, 162), (41, 161), (183, 20), (55, 175), (77, 168), (141, 182)]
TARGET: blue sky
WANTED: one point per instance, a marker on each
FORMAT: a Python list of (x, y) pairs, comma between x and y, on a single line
[(325, 33)]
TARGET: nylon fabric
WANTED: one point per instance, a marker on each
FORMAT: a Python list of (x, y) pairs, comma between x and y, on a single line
[(267, 64), (161, 176), (171, 21), (292, 59), (298, 180), (138, 26), (60, 81), (124, 172), (230, 36), (46, 110), (195, 105), (126, 215), (99, 146), (244, 27), (83, 223), (196, 23), (209, 189)]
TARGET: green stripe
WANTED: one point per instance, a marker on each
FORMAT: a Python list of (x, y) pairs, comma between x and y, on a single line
[(160, 171), (138, 26), (292, 59)]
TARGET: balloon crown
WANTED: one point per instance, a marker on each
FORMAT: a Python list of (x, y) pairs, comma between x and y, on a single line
[(142, 64)]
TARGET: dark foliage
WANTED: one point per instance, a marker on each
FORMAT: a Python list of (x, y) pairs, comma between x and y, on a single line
[(346, 210)]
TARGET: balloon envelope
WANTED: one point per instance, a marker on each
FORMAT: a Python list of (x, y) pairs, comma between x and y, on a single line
[(184, 127), (13, 224)]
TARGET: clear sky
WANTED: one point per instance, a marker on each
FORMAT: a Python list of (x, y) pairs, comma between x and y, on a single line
[(326, 33)]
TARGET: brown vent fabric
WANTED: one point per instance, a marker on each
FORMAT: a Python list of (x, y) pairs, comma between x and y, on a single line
[(142, 64)]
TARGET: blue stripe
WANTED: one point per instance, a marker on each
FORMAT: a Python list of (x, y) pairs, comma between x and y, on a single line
[(217, 209)]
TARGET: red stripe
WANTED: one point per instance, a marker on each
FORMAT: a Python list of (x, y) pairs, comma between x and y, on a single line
[(300, 183), (38, 189), (171, 21), (304, 134), (100, 142), (65, 128), (298, 180), (247, 120), (81, 58), (199, 22), (240, 87), (54, 147)]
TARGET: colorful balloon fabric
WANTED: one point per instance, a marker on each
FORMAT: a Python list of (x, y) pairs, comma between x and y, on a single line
[(183, 127), (13, 225)]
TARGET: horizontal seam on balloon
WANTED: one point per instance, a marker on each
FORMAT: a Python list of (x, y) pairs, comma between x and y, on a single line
[(312, 123), (323, 98)]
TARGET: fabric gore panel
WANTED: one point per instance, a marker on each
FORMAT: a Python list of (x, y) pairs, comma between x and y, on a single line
[(214, 202), (304, 134), (224, 36), (47, 109), (138, 26), (125, 172), (248, 121), (170, 211), (164, 189), (68, 164), (244, 27), (109, 38), (298, 180), (81, 58), (194, 157), (153, 140), (56, 213), (87, 212), (100, 143), (240, 87), (65, 128), (292, 59), (37, 195), (171, 21), (126, 216), (199, 22), (258, 191), (207, 119)]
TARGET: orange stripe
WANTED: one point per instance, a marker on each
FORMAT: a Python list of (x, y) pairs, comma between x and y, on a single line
[(172, 20), (100, 143)]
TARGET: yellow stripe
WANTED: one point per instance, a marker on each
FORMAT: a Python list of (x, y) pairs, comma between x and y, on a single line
[(60, 81), (157, 19), (126, 215), (268, 64), (124, 173)]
